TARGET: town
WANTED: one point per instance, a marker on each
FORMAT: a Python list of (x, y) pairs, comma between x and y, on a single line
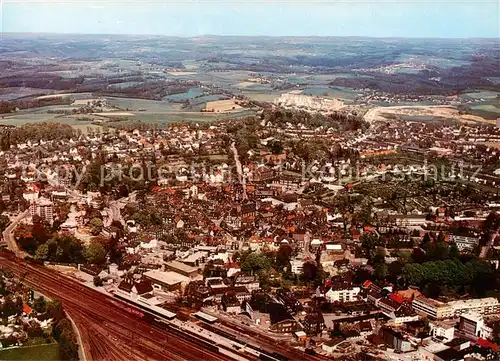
[(288, 234)]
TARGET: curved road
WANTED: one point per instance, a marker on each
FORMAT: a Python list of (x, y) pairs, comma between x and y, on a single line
[(8, 235)]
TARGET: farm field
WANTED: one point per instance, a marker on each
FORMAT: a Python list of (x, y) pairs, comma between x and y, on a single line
[(223, 106)]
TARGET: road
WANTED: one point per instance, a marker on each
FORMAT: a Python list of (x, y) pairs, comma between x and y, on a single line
[(8, 235), (239, 169), (108, 329), (114, 210)]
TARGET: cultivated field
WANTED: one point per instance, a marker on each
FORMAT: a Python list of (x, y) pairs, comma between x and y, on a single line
[(223, 106)]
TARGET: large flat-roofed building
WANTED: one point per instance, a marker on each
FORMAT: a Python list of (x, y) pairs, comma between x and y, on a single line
[(438, 310), (182, 269), (483, 306), (443, 329), (471, 324), (432, 308), (167, 281)]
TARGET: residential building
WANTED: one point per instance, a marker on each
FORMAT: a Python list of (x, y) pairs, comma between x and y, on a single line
[(297, 266), (43, 208), (396, 340), (281, 320), (337, 293), (465, 243), (442, 330), (483, 306), (230, 303), (432, 308)]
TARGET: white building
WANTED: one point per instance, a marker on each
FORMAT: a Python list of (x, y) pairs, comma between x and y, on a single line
[(335, 294), (432, 308), (297, 266), (440, 310), (43, 208), (465, 243), (472, 325), (483, 306), (442, 330)]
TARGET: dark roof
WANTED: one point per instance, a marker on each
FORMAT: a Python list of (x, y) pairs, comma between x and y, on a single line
[(143, 287), (229, 299), (240, 289), (365, 326), (350, 333), (278, 313), (126, 285), (452, 355)]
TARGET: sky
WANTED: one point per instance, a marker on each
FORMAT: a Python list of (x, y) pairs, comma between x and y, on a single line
[(375, 18)]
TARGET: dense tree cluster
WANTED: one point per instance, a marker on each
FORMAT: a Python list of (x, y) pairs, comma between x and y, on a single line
[(337, 120), (4, 222), (62, 248), (474, 276), (35, 132)]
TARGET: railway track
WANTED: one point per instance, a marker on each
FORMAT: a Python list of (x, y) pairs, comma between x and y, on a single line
[(120, 335)]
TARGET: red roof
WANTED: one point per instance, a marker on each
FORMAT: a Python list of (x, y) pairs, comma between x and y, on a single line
[(488, 344), (396, 298), (27, 309), (367, 283)]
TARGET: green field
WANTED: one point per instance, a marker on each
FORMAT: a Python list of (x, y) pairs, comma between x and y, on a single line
[(48, 352), (20, 119), (484, 94)]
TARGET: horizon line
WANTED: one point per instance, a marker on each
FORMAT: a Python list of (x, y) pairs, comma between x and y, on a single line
[(249, 36)]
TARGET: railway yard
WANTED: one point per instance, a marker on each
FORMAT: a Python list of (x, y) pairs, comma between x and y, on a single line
[(112, 330)]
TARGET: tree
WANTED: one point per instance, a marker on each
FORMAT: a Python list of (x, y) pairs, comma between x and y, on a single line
[(98, 281), (56, 312), (236, 257), (283, 256), (255, 262), (453, 252), (106, 242), (492, 222), (65, 248), (309, 271), (381, 271), (42, 253), (40, 305), (276, 147), (437, 250), (4, 222), (96, 226), (427, 239), (10, 308), (95, 253)]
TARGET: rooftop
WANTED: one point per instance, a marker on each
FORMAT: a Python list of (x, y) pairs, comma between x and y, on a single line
[(168, 277)]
